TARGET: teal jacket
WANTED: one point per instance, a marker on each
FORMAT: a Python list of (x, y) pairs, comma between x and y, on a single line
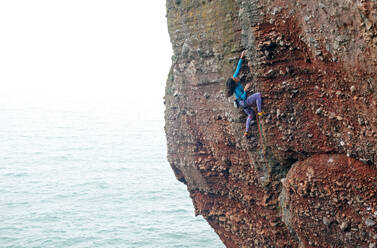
[(239, 92)]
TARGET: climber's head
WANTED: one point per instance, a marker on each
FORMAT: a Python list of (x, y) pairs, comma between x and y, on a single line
[(231, 86)]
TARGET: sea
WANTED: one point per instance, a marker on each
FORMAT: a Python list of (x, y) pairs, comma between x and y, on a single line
[(91, 178)]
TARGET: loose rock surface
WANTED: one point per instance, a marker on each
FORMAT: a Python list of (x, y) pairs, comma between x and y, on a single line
[(314, 63), (334, 188)]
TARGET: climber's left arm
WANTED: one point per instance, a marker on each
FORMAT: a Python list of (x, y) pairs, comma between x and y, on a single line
[(239, 65)]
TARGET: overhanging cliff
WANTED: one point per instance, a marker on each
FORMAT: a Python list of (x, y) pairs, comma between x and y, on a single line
[(312, 181)]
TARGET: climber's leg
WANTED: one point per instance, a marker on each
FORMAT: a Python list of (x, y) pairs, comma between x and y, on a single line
[(250, 117), (259, 102), (248, 120), (255, 98)]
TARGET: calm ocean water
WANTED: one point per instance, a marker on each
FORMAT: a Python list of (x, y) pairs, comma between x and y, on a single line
[(91, 179)]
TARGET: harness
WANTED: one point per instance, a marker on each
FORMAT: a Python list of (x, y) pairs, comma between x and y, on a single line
[(240, 103)]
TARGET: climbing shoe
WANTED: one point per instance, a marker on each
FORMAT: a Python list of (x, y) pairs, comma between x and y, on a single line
[(249, 136)]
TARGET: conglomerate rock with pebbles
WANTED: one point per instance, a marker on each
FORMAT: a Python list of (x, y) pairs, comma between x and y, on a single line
[(311, 180)]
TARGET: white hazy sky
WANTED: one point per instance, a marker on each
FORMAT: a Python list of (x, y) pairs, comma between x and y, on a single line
[(83, 52)]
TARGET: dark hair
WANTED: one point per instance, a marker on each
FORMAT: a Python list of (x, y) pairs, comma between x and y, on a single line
[(231, 86)]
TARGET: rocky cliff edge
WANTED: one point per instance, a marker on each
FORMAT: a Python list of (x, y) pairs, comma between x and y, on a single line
[(312, 180)]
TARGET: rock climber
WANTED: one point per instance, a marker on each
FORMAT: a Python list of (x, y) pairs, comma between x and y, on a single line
[(234, 85)]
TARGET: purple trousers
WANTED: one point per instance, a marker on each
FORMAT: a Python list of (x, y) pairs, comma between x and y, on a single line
[(250, 101)]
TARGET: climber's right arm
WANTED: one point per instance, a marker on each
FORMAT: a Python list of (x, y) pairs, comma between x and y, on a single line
[(247, 86)]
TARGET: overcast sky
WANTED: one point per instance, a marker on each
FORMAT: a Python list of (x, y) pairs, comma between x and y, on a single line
[(91, 52)]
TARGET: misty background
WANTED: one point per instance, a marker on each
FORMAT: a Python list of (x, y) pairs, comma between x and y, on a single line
[(97, 54)]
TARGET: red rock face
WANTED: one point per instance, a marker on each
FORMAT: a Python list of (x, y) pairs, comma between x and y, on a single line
[(330, 201), (315, 66)]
